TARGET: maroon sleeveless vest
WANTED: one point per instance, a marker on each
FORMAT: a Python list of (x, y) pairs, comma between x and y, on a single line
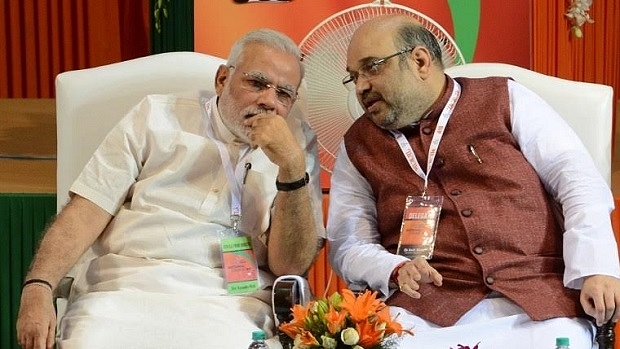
[(497, 229)]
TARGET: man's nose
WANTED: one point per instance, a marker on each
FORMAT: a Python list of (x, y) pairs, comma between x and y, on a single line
[(362, 83), (268, 97)]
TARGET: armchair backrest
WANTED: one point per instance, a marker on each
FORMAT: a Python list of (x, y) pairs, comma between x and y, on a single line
[(586, 107), (89, 102)]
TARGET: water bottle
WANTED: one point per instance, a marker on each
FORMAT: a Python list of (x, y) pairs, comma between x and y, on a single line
[(562, 343), (258, 340)]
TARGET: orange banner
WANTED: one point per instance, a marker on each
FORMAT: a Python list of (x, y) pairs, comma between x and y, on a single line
[(480, 27)]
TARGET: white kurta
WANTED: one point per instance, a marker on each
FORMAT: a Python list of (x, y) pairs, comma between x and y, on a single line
[(569, 175), (157, 281)]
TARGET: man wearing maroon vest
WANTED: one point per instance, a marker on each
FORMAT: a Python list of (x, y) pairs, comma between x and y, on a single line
[(506, 270)]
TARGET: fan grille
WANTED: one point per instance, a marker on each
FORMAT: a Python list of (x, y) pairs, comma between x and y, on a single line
[(331, 107)]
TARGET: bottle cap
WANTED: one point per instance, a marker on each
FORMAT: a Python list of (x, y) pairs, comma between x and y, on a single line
[(258, 335), (562, 341)]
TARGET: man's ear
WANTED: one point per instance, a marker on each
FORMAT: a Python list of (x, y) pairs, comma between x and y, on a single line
[(423, 62), (222, 74)]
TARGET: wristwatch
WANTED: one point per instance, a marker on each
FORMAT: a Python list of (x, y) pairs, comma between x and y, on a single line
[(293, 185)]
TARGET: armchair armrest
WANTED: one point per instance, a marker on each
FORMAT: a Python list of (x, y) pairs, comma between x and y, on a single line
[(605, 335), (288, 290), (63, 289)]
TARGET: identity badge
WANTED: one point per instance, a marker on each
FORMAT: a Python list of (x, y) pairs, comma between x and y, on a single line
[(419, 226), (240, 265)]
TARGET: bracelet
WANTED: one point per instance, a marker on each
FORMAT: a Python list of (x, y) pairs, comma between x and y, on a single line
[(293, 185), (394, 275), (38, 281)]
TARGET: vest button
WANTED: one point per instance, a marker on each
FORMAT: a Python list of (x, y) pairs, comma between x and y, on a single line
[(455, 192), (467, 212), (427, 130), (478, 250), (489, 280), (439, 162)]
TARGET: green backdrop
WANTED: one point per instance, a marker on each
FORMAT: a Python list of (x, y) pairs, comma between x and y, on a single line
[(22, 219)]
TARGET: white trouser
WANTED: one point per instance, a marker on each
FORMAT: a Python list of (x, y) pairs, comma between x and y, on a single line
[(135, 303), (495, 323)]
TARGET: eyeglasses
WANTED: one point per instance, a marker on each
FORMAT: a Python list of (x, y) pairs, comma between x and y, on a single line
[(371, 69), (255, 82)]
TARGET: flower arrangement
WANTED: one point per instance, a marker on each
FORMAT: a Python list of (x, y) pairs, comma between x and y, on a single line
[(578, 15), (344, 320)]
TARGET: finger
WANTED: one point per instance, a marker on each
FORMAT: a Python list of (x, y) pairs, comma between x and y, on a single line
[(588, 305), (26, 344), (409, 271), (616, 315), (609, 306), (258, 118), (21, 341), (40, 341), (408, 289), (427, 273), (436, 277), (51, 335), (597, 309), (417, 268), (24, 337)]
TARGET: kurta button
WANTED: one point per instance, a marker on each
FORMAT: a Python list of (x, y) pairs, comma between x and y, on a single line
[(455, 192), (467, 212), (427, 130), (478, 250), (439, 162), (489, 280)]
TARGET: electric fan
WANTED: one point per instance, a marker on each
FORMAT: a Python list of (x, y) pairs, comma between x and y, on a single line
[(331, 107)]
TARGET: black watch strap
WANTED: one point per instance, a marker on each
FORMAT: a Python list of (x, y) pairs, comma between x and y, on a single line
[(293, 185)]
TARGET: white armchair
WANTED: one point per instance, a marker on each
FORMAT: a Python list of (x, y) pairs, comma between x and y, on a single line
[(91, 101), (586, 107)]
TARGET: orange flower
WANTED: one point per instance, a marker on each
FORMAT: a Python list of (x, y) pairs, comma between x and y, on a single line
[(308, 339), (291, 329), (299, 314), (335, 320), (391, 325), (360, 307), (295, 326), (369, 336)]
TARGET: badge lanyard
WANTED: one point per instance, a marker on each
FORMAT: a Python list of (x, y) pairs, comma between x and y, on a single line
[(234, 177), (439, 129)]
